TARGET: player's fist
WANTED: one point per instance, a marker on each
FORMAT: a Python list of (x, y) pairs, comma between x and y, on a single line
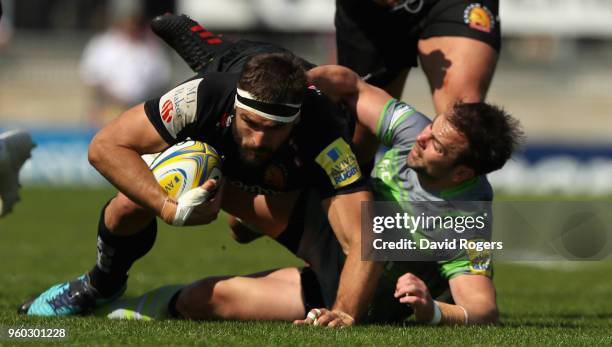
[(413, 291), (198, 206)]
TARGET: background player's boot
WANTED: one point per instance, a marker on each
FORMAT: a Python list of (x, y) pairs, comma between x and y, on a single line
[(15, 148), (65, 299), (196, 45), (149, 306)]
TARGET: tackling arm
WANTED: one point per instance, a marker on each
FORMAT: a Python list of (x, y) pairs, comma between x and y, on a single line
[(358, 279), (366, 101), (476, 294), (343, 84)]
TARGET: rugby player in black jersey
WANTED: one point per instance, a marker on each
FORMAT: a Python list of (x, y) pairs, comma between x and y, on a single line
[(277, 136)]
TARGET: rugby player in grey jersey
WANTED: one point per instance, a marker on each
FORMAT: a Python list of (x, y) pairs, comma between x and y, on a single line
[(446, 159), (443, 160)]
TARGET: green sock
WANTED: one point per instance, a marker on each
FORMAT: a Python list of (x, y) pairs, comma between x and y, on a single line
[(152, 305)]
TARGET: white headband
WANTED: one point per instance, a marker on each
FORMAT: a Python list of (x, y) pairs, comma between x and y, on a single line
[(284, 113)]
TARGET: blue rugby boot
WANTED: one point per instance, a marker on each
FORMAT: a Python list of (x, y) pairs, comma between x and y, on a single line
[(66, 299)]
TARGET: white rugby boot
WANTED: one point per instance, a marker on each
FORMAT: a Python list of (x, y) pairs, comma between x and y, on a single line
[(15, 149)]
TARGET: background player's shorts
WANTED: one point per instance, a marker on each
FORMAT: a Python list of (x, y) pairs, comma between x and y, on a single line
[(373, 40)]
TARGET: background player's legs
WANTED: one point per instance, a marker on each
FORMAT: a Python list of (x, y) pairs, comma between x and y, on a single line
[(272, 295), (457, 68)]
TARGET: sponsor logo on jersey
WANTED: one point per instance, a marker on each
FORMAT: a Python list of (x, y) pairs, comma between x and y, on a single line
[(333, 154), (178, 107), (167, 109), (480, 261), (479, 17), (339, 163), (225, 121)]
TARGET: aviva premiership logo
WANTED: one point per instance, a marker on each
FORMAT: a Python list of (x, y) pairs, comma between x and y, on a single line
[(185, 166), (480, 261), (339, 163)]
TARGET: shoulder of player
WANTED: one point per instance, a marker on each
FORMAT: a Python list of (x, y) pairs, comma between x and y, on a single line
[(399, 123), (404, 114), (194, 106)]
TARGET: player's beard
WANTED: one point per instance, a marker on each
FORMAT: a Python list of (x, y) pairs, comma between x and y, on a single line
[(250, 156), (420, 170), (417, 164), (254, 157)]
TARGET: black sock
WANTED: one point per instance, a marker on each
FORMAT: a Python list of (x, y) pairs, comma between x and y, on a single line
[(116, 254), (172, 311)]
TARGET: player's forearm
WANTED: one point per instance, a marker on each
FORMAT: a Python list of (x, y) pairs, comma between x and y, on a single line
[(359, 278), (125, 169), (337, 82), (358, 282), (460, 315)]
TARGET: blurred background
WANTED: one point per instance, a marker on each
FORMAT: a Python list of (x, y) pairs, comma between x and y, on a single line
[(69, 66)]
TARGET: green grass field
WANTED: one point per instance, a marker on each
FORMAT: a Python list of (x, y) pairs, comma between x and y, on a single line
[(51, 238)]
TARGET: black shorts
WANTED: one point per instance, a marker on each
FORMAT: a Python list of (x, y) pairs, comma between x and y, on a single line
[(379, 43)]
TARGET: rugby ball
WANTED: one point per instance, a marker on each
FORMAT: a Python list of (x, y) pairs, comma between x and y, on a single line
[(185, 166)]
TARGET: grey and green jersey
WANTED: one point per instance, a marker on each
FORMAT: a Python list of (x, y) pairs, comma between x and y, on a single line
[(398, 127), (392, 180)]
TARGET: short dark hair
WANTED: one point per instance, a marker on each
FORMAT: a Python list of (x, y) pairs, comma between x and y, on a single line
[(274, 78), (492, 135)]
